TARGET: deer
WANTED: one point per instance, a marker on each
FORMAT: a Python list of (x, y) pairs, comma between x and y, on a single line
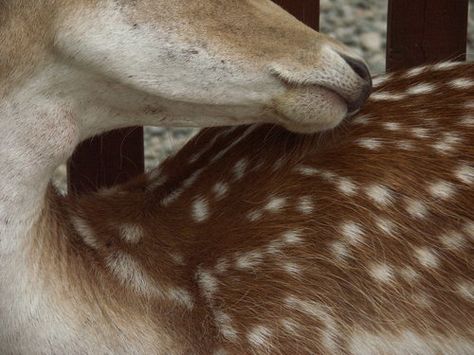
[(301, 220)]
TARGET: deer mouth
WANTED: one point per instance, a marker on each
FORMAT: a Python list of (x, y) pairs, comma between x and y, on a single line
[(353, 102), (312, 108)]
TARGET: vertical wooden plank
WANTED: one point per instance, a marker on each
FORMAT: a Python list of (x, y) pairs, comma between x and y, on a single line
[(426, 31), (306, 11), (104, 161)]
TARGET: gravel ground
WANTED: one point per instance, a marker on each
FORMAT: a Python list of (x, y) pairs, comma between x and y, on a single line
[(361, 24)]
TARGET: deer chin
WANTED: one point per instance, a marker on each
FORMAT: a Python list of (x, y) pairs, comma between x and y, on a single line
[(310, 109)]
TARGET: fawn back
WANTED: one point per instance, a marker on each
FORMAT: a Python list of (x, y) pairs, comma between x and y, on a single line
[(256, 240)]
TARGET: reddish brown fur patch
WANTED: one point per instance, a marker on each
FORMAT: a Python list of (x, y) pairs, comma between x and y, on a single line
[(176, 251)]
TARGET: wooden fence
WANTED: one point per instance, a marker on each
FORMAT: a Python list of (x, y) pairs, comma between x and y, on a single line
[(419, 31)]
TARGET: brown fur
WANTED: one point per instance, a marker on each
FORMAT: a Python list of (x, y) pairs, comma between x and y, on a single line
[(255, 296)]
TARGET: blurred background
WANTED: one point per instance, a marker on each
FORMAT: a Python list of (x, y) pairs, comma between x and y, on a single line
[(360, 24)]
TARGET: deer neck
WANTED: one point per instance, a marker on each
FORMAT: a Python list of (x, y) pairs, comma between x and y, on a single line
[(38, 133)]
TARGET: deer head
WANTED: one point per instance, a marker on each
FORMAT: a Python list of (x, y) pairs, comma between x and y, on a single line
[(195, 63)]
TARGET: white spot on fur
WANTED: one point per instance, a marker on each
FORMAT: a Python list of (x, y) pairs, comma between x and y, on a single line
[(339, 250), (292, 268), (254, 215), (362, 120), (391, 126), (275, 204), (157, 179), (409, 274), (352, 232), (453, 240), (249, 260), (222, 265), (421, 89), (225, 326), (422, 300), (442, 190), (381, 79), (446, 65), (462, 83), (193, 178), (208, 284), (307, 170), (290, 326), (322, 313), (466, 290), (469, 229), (275, 247), (220, 190), (415, 72), (379, 194), (467, 121), (305, 205), (172, 197), (447, 144), (239, 169), (405, 145), (182, 296), (85, 232), (370, 143), (131, 233), (381, 272), (292, 237), (130, 273), (386, 96), (416, 208), (420, 132), (200, 210), (259, 336), (427, 257), (385, 225), (346, 186), (328, 175), (465, 174)]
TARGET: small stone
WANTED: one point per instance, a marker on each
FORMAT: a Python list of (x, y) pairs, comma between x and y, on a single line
[(371, 41)]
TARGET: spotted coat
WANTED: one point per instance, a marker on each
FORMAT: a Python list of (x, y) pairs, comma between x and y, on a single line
[(358, 240)]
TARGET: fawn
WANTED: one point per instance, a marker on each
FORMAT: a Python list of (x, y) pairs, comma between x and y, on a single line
[(251, 239)]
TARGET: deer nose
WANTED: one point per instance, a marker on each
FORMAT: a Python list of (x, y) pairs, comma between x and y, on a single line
[(361, 69)]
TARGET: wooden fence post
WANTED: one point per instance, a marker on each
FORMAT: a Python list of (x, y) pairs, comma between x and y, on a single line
[(306, 11), (426, 31), (103, 161)]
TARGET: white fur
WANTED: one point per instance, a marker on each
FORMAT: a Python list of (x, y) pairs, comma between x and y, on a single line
[(407, 342), (225, 325), (329, 331), (200, 210), (260, 336), (249, 260)]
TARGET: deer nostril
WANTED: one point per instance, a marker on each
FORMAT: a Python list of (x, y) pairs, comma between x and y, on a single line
[(359, 67)]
